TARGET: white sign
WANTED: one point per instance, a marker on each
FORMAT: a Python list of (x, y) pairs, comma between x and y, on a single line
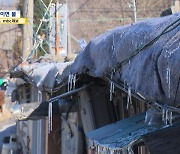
[(10, 14)]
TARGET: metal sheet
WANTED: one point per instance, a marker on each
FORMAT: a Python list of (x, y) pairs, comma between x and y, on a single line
[(118, 136), (37, 110), (1, 97), (40, 74)]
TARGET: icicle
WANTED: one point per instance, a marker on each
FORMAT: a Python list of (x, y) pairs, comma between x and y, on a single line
[(124, 84), (113, 48), (168, 79), (71, 82), (119, 152), (50, 117), (111, 151), (129, 62), (129, 98), (167, 117), (111, 91), (163, 115), (130, 150), (103, 149), (111, 88), (51, 91), (170, 118), (74, 81), (69, 77), (98, 149)]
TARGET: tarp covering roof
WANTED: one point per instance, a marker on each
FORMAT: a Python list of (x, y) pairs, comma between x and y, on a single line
[(144, 55), (42, 74)]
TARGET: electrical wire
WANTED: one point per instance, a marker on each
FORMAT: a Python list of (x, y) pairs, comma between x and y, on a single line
[(118, 10), (105, 19), (76, 10), (44, 4)]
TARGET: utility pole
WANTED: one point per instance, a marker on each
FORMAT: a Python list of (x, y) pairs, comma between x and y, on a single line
[(122, 11), (27, 41), (69, 33), (28, 28), (58, 29), (134, 10), (57, 49)]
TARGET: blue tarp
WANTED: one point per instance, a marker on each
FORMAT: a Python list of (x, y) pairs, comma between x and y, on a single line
[(145, 56)]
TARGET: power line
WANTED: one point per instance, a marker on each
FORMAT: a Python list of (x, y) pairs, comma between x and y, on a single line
[(117, 11), (8, 30), (76, 10), (105, 19), (157, 7)]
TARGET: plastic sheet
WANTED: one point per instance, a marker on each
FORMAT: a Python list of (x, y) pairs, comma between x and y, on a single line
[(153, 72)]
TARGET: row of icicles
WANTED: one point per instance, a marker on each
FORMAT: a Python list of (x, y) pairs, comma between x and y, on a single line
[(166, 115)]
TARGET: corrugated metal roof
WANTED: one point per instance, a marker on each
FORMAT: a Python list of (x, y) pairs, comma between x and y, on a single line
[(123, 134), (119, 135)]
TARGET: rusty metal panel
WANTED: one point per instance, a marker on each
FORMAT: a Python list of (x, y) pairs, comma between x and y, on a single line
[(54, 144), (1, 97)]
